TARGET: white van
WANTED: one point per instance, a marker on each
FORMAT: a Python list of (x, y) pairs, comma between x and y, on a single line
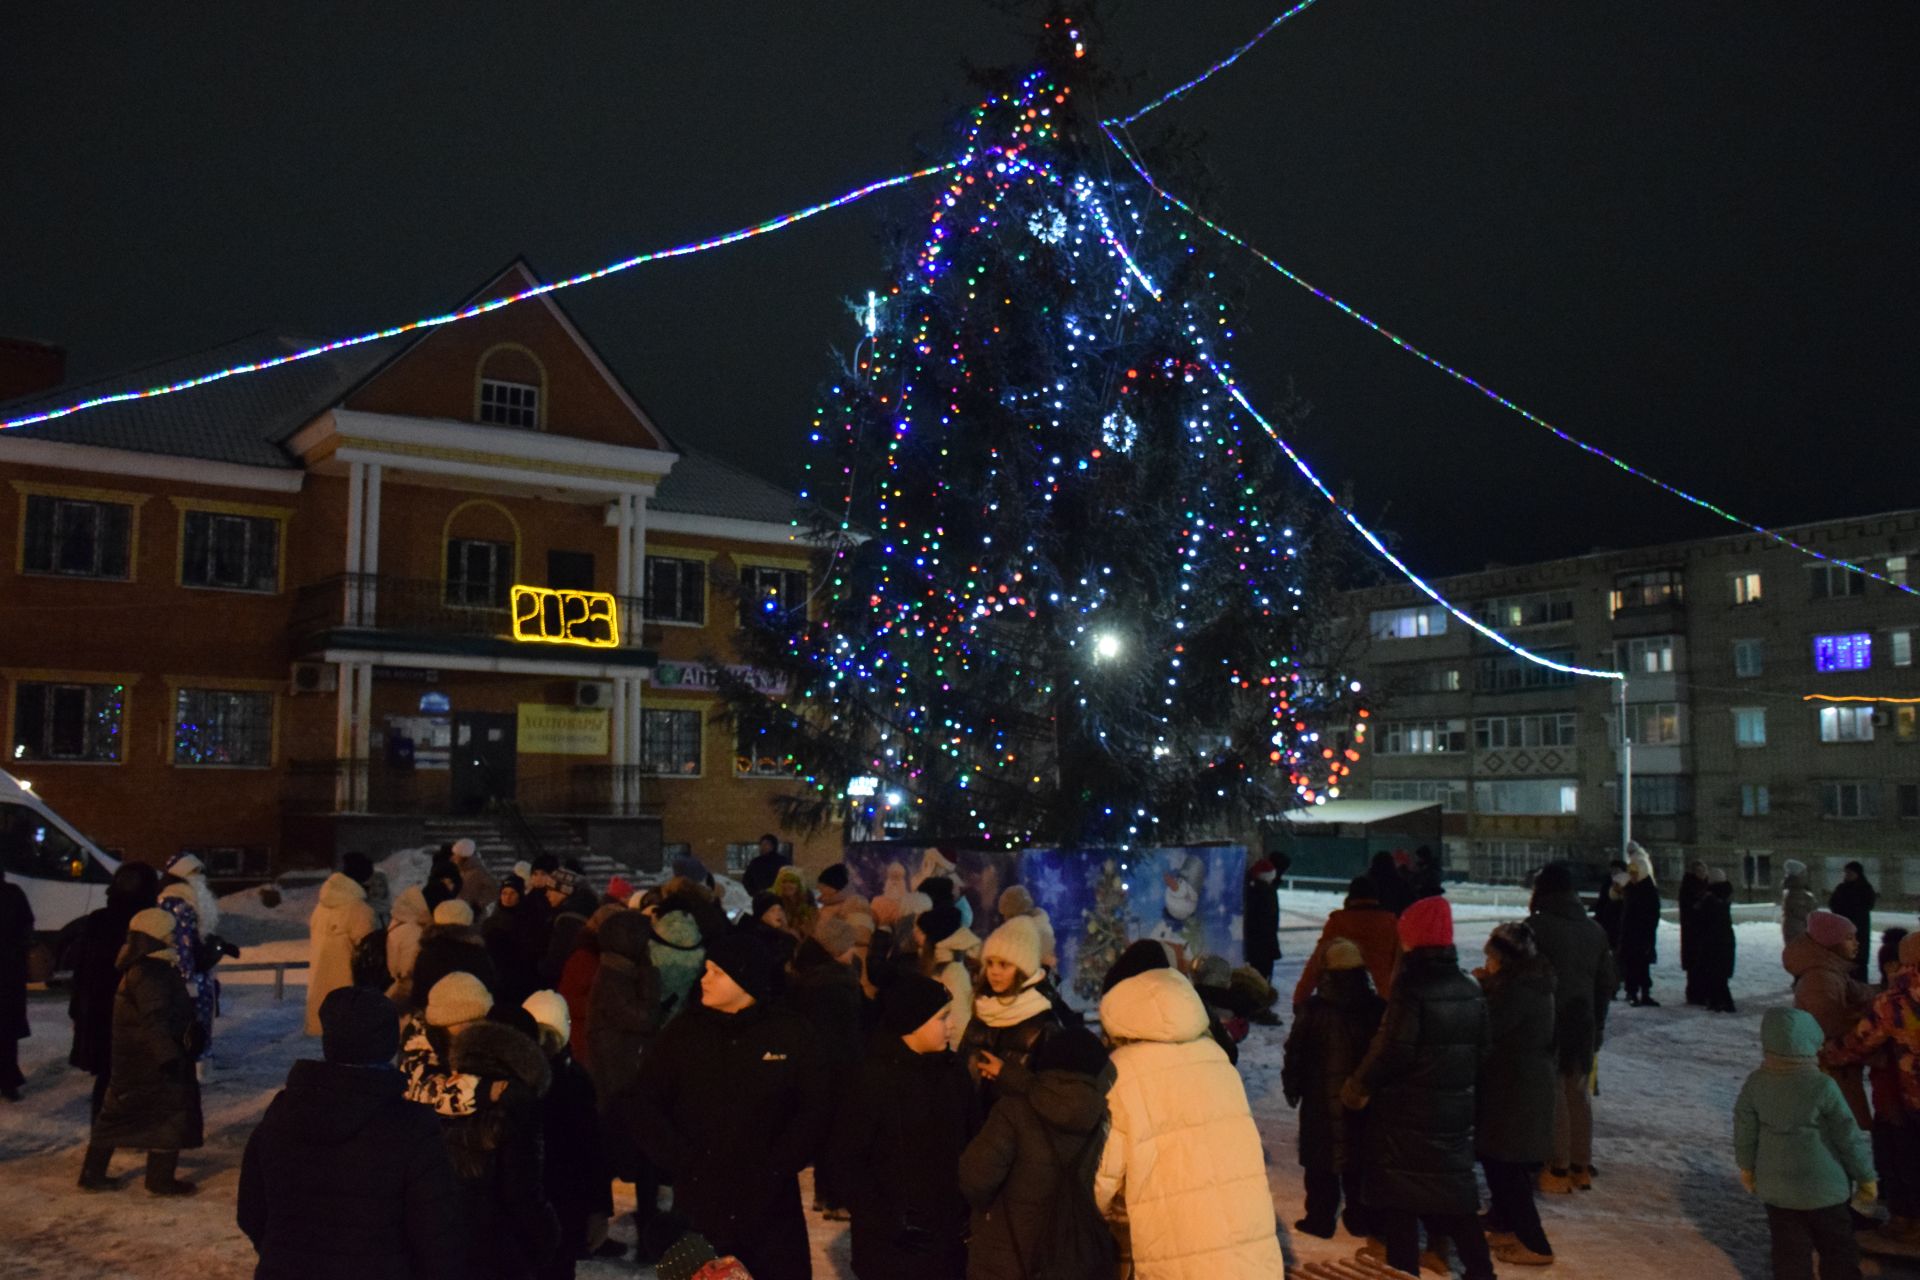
[(61, 871)]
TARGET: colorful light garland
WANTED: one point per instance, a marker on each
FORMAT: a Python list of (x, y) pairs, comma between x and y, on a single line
[(1181, 92), (1468, 380), (1830, 697), (479, 309)]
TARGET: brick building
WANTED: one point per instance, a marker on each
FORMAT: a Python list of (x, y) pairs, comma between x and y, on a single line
[(275, 617), (1728, 643)]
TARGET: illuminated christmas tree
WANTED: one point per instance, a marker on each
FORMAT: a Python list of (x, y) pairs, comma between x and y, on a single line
[(1076, 593), (1105, 930)]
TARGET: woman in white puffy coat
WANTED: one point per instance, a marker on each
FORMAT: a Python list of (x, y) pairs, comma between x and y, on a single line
[(1182, 1155)]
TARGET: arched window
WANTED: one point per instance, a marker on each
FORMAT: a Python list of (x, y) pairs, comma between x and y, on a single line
[(512, 388)]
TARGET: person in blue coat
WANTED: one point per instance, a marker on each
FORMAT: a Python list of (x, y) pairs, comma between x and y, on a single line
[(1801, 1152)]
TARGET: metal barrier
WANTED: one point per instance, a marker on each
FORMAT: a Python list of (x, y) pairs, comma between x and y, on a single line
[(279, 968)]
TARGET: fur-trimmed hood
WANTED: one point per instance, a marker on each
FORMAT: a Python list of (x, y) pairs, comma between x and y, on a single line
[(411, 908), (494, 1051)]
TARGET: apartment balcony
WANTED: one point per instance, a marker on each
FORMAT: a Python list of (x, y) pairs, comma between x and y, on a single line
[(382, 616)]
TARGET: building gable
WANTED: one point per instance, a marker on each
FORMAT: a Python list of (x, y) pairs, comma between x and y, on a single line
[(532, 344)]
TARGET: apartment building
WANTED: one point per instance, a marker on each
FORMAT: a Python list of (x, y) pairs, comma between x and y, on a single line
[(1771, 700), (454, 576)]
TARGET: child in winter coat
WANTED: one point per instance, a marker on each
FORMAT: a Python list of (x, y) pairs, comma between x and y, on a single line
[(1800, 1151), (1888, 1039), (1330, 1035), (1821, 963), (1796, 901), (1013, 1015)]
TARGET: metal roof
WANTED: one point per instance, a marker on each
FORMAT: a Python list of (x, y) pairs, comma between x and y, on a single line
[(1358, 812)]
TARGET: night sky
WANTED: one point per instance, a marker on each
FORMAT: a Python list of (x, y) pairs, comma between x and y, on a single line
[(1681, 229)]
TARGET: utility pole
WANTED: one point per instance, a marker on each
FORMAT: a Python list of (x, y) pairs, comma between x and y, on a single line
[(1626, 777)]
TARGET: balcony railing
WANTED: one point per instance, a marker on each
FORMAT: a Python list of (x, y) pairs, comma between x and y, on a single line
[(418, 606)]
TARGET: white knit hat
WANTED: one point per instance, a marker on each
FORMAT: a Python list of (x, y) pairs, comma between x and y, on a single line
[(458, 998), (549, 1009), (155, 922), (463, 848), (453, 911), (1016, 941)]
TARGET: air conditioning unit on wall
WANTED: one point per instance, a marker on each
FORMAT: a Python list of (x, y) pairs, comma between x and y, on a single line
[(593, 693), (313, 677)]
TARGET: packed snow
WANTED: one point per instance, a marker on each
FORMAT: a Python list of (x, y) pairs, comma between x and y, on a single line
[(1666, 1199)]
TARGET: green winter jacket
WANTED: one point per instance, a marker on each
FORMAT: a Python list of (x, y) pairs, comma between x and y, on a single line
[(1792, 1127)]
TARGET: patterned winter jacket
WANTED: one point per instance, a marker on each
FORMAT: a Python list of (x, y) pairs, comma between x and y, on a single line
[(1892, 1022), (430, 1082)]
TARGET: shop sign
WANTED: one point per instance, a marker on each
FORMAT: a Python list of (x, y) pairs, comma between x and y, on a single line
[(699, 676), (542, 615), (562, 731)]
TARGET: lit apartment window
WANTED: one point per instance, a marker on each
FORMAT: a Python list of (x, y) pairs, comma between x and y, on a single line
[(1753, 800), (756, 755), (1749, 726), (1852, 651), (1649, 655), (1534, 610), (1830, 582), (1897, 570), (1647, 590), (1847, 800), (1433, 680), (1421, 737), (1749, 658), (1407, 624), (1551, 796), (1746, 588), (1900, 646), (76, 539), (1657, 724), (509, 404), (1846, 724), (1905, 722)]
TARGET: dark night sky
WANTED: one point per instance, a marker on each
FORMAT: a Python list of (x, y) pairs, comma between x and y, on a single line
[(1682, 229)]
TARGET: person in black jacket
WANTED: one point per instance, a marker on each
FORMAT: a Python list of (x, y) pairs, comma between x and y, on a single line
[(1608, 903), (1853, 898), (574, 1163), (1262, 917), (897, 1143), (16, 940), (451, 945), (345, 1177), (1389, 883), (516, 939), (1013, 1015), (1714, 947), (1032, 1154), (761, 871), (1638, 948), (732, 1102), (498, 1152), (1693, 887), (96, 944), (1331, 1034), (1514, 1096), (153, 1093), (766, 923), (1416, 1085), (1584, 980), (825, 992)]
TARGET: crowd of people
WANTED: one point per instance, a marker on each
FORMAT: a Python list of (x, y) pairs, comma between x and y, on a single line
[(496, 1055)]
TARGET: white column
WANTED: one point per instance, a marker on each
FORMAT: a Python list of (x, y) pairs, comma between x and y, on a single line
[(370, 551), (356, 485), (363, 735)]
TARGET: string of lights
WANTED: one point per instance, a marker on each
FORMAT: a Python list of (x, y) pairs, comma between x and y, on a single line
[(494, 304), (1830, 697), (1181, 92), (1468, 380)]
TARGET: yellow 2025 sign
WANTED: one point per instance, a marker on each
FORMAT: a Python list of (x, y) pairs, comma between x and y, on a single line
[(543, 615)]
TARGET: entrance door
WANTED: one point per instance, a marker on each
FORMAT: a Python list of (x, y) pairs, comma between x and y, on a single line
[(484, 753)]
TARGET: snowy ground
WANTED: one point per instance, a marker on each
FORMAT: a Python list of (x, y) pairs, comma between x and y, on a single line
[(1666, 1201)]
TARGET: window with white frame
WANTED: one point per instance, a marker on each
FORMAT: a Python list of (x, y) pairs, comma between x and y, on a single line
[(1847, 651), (1549, 729), (1848, 800), (222, 728), (1407, 624), (1647, 590), (1648, 655), (1536, 609), (1421, 737), (78, 722), (77, 539), (1746, 588), (676, 590), (670, 742), (1510, 673), (1513, 861), (1749, 726), (1527, 796), (1749, 658), (772, 596), (1831, 582), (231, 552), (1846, 724), (1896, 571), (1427, 680), (479, 573), (1756, 869), (509, 404), (1449, 793), (1900, 648), (1657, 724), (1754, 801)]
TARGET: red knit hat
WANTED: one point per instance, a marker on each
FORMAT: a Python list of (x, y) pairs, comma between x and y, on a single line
[(1427, 923)]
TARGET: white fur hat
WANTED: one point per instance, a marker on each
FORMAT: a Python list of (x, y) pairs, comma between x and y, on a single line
[(458, 998), (549, 1009), (453, 911), (463, 848)]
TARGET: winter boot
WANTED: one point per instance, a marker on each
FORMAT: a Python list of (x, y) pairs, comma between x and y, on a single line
[(93, 1170), (1323, 1230), (1582, 1177), (161, 1167), (1520, 1256), (1556, 1182), (1648, 1002)]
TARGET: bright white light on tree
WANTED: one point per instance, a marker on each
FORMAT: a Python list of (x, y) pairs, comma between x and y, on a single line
[(1049, 226), (1106, 646), (1118, 431)]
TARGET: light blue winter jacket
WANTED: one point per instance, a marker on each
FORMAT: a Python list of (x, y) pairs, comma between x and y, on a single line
[(1792, 1127)]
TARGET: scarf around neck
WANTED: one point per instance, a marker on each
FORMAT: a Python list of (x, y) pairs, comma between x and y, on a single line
[(1007, 1011)]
